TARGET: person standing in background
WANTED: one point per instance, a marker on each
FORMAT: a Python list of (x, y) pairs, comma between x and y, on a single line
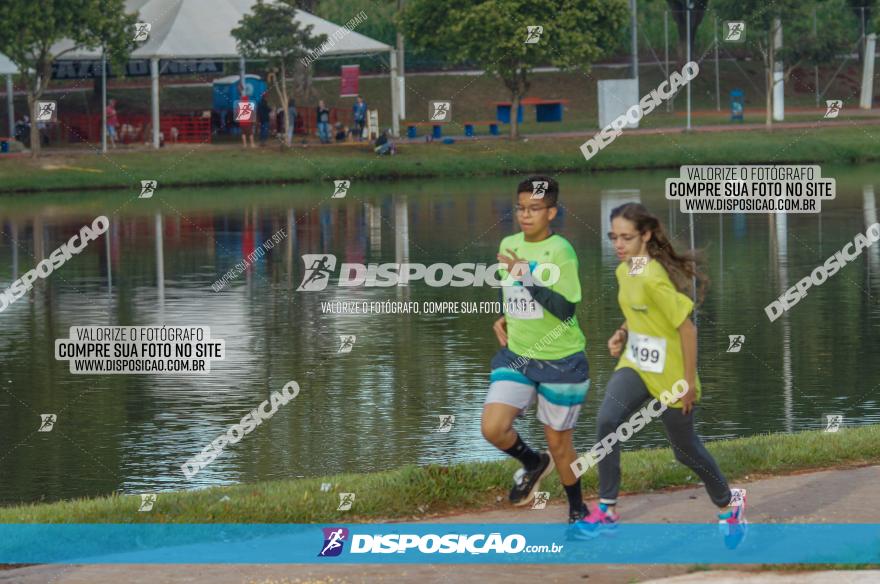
[(291, 115), (359, 110), (323, 122), (112, 122)]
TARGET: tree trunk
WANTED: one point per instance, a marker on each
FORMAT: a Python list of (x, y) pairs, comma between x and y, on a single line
[(35, 132), (284, 105), (514, 108)]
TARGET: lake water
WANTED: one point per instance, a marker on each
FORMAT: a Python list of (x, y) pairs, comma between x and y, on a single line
[(378, 406)]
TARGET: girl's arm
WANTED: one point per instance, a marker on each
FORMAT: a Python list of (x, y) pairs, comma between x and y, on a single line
[(688, 333)]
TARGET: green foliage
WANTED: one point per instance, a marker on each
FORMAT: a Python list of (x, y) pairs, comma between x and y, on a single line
[(271, 32)]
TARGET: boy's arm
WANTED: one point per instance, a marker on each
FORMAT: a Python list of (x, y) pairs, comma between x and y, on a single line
[(553, 302)]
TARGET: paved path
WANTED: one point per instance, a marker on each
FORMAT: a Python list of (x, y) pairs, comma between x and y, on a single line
[(847, 495)]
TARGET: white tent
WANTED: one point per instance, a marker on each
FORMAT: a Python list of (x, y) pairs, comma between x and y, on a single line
[(9, 69), (200, 29)]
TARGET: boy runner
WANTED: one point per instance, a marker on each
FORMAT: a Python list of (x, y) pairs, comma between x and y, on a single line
[(542, 348)]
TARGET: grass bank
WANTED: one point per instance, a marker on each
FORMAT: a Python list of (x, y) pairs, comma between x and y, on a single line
[(423, 492), (185, 165)]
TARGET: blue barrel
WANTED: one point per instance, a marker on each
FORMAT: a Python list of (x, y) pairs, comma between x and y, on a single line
[(737, 103), (469, 130), (410, 131), (437, 131), (4, 146)]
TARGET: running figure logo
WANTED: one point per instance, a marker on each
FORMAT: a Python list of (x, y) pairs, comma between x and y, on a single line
[(737, 496), (833, 422), (318, 270), (736, 343), (46, 111), (446, 422), (147, 502), (637, 265), (346, 343), (147, 189), (340, 188), (832, 108), (346, 500), (541, 498), (244, 111), (736, 31), (47, 422), (539, 189), (441, 111), (334, 541), (533, 34), (142, 31)]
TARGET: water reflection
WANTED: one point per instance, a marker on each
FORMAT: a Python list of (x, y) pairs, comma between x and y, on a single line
[(131, 433)]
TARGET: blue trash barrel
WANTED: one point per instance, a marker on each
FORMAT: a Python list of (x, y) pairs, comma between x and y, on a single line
[(437, 131), (410, 131), (737, 103), (469, 130)]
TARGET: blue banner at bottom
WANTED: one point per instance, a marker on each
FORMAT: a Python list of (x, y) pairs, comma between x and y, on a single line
[(394, 543)]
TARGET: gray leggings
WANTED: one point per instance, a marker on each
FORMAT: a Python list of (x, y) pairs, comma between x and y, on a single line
[(625, 394)]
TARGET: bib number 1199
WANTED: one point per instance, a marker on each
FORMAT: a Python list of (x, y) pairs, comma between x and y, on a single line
[(649, 353)]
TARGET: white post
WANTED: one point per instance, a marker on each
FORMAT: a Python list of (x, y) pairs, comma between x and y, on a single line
[(242, 69), (635, 42), (816, 67), (401, 64), (10, 108), (666, 53), (688, 43), (717, 70), (103, 103), (395, 96), (868, 72), (778, 74), (154, 91)]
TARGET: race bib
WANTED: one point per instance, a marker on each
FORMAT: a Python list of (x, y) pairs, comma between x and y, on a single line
[(518, 303), (649, 353)]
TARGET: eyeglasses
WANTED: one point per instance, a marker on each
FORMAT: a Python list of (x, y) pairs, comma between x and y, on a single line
[(627, 238), (530, 210)]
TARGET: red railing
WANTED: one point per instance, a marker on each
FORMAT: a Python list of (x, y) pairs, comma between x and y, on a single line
[(77, 128)]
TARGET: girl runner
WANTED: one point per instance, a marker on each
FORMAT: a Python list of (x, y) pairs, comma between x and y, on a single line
[(657, 345)]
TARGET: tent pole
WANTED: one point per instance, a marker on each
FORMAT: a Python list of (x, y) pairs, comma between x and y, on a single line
[(395, 95), (154, 90), (10, 108), (103, 102)]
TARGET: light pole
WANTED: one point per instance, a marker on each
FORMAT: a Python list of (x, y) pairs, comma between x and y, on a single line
[(688, 42)]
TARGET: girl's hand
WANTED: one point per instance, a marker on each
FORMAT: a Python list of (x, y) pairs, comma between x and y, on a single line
[(500, 328), (511, 261), (615, 343), (688, 399)]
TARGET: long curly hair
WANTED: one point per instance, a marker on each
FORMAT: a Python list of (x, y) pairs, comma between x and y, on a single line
[(681, 267)]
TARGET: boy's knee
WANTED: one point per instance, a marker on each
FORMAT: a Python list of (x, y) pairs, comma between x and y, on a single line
[(493, 430)]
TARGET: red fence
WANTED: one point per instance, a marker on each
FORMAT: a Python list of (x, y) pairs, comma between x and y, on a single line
[(78, 128)]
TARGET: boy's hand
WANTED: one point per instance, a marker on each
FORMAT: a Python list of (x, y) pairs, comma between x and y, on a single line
[(512, 260), (615, 343), (688, 399), (500, 328)]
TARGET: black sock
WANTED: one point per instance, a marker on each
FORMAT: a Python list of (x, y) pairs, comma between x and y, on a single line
[(575, 498), (521, 451)]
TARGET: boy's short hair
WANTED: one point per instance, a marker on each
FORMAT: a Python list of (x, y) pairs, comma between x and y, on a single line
[(551, 190)]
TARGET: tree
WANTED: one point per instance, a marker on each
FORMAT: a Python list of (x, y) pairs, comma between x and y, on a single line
[(30, 28), (800, 47), (272, 33), (678, 9), (492, 35)]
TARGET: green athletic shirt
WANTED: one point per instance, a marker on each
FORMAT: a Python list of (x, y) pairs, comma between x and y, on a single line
[(531, 330), (653, 308)]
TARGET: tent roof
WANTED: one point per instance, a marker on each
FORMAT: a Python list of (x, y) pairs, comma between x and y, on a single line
[(7, 67), (196, 29)]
